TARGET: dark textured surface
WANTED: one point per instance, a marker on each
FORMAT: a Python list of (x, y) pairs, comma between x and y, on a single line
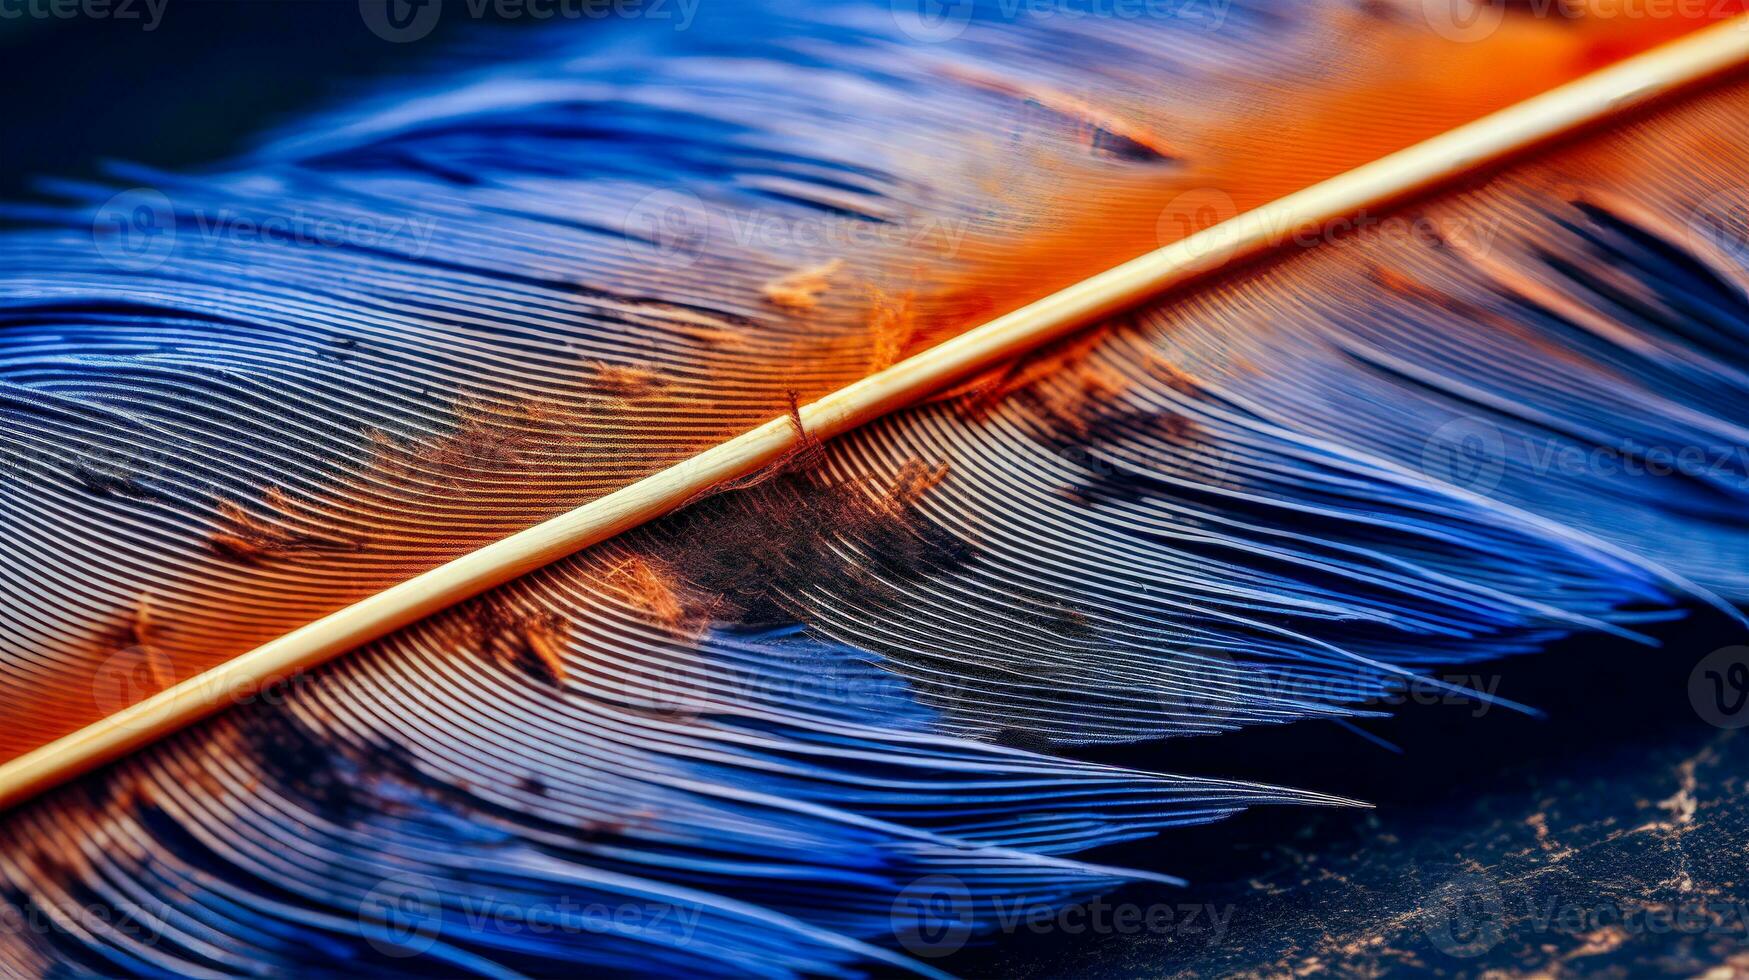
[(1610, 838), (1633, 866)]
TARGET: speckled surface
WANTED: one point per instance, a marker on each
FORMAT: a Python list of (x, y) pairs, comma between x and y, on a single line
[(1610, 839)]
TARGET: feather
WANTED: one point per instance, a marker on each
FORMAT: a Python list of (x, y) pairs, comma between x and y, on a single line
[(751, 730)]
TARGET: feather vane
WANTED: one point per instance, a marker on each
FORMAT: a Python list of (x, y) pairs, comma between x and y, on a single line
[(775, 712)]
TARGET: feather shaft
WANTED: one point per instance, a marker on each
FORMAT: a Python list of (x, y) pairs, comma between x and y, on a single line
[(1458, 152)]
